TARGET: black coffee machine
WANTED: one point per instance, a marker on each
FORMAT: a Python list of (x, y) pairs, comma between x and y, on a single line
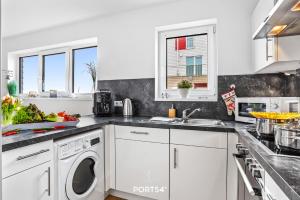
[(102, 103)]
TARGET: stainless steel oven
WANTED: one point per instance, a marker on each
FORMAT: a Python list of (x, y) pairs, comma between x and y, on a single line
[(250, 176)]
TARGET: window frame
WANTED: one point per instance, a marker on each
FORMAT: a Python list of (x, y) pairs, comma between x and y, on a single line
[(20, 71), (42, 70), (73, 65), (162, 33), (69, 68)]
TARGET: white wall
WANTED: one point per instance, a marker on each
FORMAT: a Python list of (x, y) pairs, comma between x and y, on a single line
[(48, 105), (126, 40)]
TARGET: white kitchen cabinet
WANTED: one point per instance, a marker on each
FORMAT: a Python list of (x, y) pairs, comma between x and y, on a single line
[(28, 172), (109, 152), (142, 166), (264, 51), (260, 13), (31, 184), (272, 55), (197, 172)]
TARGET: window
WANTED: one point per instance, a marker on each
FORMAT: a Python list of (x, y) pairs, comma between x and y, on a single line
[(189, 42), (29, 67), (64, 70), (186, 52), (194, 66), (54, 72), (82, 79)]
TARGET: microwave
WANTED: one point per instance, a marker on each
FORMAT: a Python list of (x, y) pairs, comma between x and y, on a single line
[(243, 106)]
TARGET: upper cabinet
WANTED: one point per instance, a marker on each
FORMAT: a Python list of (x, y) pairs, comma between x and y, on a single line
[(261, 13), (271, 53)]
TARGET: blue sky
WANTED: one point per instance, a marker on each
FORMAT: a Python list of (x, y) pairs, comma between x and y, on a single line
[(82, 80), (55, 71), (30, 73)]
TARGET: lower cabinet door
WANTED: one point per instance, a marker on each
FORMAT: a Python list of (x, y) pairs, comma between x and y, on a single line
[(31, 184), (142, 168), (197, 173)]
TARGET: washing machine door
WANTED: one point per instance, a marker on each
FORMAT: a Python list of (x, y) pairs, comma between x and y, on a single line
[(82, 178)]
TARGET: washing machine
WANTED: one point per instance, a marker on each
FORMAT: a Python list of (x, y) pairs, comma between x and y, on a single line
[(79, 167)]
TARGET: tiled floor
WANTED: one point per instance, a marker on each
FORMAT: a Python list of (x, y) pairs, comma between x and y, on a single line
[(113, 198)]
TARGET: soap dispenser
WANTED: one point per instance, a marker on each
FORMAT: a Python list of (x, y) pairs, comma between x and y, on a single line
[(172, 112)]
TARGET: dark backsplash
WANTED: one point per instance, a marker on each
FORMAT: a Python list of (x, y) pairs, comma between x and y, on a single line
[(141, 91)]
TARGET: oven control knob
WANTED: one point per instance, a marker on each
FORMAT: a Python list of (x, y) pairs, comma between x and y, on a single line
[(257, 172), (243, 151), (239, 146), (252, 166), (249, 161)]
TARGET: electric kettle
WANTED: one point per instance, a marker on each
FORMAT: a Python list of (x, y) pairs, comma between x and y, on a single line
[(127, 108)]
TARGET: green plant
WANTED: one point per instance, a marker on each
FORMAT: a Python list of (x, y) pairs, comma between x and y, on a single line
[(184, 84)]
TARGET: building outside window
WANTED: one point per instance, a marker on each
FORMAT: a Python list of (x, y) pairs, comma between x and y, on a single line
[(187, 60)]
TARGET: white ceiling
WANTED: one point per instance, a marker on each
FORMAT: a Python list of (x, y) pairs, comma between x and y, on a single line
[(22, 16)]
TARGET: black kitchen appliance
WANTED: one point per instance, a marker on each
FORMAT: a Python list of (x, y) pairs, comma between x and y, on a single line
[(102, 103)]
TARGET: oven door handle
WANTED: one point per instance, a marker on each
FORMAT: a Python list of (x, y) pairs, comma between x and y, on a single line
[(244, 176)]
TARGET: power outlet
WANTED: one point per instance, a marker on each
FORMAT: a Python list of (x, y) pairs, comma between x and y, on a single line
[(118, 103)]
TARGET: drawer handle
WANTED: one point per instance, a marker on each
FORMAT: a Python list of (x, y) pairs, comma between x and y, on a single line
[(175, 158), (33, 154), (48, 190), (139, 132)]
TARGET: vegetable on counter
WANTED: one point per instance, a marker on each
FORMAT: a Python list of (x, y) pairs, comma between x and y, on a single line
[(52, 117), (67, 117), (29, 114), (8, 107), (9, 133), (17, 117)]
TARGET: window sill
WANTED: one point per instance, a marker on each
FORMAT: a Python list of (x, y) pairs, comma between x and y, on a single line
[(208, 98), (74, 98)]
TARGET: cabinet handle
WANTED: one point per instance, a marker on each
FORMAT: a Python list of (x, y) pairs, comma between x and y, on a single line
[(49, 181), (267, 49), (33, 154), (138, 132), (175, 158)]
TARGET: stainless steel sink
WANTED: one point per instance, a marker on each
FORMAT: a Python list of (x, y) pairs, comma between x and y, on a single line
[(201, 122), (189, 122)]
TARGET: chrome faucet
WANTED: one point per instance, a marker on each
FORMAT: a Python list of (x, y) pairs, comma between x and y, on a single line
[(185, 117)]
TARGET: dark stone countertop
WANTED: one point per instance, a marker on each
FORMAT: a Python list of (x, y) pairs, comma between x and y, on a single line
[(89, 123), (284, 170)]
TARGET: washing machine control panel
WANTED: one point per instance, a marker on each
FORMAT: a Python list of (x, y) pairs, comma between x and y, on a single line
[(73, 147)]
